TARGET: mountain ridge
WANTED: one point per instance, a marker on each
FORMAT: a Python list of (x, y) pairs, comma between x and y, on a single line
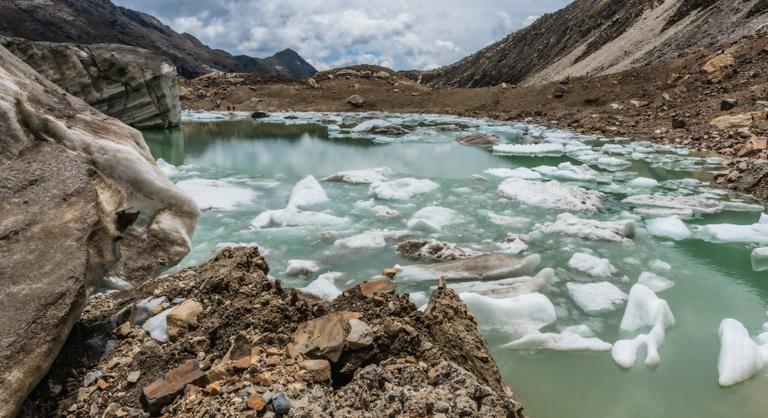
[(101, 21)]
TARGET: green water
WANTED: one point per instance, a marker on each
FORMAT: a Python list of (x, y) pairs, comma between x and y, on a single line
[(713, 281)]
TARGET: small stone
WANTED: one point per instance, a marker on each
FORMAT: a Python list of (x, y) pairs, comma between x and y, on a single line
[(181, 318), (267, 396), (214, 388), (256, 403), (281, 404), (103, 385), (678, 124), (259, 115), (390, 272), (639, 104), (312, 83), (133, 377), (123, 330), (319, 370), (728, 104)]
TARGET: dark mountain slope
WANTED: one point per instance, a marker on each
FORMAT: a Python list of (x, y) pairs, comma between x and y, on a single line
[(100, 21)]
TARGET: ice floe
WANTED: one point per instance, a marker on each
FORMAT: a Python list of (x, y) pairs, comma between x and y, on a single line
[(537, 150), (367, 176), (402, 189), (216, 194), (572, 339), (740, 357), (760, 259), (510, 221), (301, 268), (756, 233), (655, 282), (507, 288), (307, 192), (597, 298), (668, 227), (513, 244), (520, 315), (292, 217), (324, 286), (694, 204), (644, 309), (370, 239), (570, 225), (519, 173), (643, 182), (433, 219), (612, 163), (488, 266), (570, 172), (550, 195), (592, 266), (369, 207), (370, 125), (660, 266), (433, 250)]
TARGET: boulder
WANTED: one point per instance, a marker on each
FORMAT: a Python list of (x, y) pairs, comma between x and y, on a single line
[(81, 197), (356, 100), (738, 121), (319, 370), (128, 83), (331, 335)]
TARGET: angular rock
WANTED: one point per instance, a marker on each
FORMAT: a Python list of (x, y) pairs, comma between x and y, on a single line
[(128, 83), (323, 337), (182, 317), (320, 370), (281, 404), (728, 104), (738, 121), (164, 390), (379, 286), (356, 100), (360, 334), (718, 63)]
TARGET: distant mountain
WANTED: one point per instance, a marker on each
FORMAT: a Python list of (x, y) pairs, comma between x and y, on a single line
[(591, 37), (100, 21)]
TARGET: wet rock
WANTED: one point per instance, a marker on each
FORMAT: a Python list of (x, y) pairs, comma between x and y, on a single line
[(182, 317), (281, 404), (164, 390), (356, 100), (728, 104), (479, 140), (128, 83), (319, 370)]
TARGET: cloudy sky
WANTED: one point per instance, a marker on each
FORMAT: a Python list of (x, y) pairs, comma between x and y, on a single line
[(402, 34)]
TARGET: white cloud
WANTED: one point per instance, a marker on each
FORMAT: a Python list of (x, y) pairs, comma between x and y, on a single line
[(402, 34)]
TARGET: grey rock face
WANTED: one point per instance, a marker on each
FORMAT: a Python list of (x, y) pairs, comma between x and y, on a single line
[(80, 196), (131, 84)]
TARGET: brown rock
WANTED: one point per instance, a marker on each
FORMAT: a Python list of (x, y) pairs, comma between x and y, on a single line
[(360, 334), (738, 121), (256, 403), (182, 317), (390, 272), (214, 388), (639, 104), (319, 370), (379, 286), (164, 390), (323, 337), (678, 124), (718, 63), (123, 330), (133, 377)]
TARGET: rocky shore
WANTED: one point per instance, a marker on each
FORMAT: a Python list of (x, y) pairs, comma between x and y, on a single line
[(223, 339)]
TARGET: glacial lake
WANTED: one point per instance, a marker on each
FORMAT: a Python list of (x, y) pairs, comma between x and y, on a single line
[(238, 168)]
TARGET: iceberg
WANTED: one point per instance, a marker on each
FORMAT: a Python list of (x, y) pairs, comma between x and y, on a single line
[(567, 340), (668, 227), (291, 217), (368, 176), (740, 357), (433, 219), (370, 240), (644, 309), (597, 298), (508, 288), (550, 195), (402, 189), (592, 266), (369, 207), (570, 172), (572, 226), (694, 204), (216, 194), (520, 315), (484, 267), (655, 282), (301, 268), (760, 259), (755, 233), (324, 286), (537, 150), (519, 173), (643, 182), (307, 192)]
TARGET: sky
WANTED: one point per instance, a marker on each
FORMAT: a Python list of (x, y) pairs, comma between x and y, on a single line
[(400, 34)]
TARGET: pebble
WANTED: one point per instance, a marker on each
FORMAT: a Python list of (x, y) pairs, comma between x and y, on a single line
[(133, 377), (281, 404)]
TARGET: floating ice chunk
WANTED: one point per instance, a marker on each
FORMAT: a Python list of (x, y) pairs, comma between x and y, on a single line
[(550, 195), (301, 268), (369, 207), (433, 219), (742, 207), (664, 212), (655, 282), (564, 341), (367, 176), (512, 245), (591, 265), (612, 163), (324, 286), (419, 299), (644, 309), (157, 326), (507, 288), (371, 124), (402, 189), (539, 150), (294, 217), (488, 266), (570, 172), (740, 357), (433, 250), (168, 169), (216, 194), (660, 266), (597, 298), (757, 233), (519, 173), (519, 315), (643, 182), (760, 259), (307, 192), (510, 221), (573, 226), (669, 227), (376, 238), (695, 204)]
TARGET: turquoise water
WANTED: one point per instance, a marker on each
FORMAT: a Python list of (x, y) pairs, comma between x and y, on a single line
[(244, 167)]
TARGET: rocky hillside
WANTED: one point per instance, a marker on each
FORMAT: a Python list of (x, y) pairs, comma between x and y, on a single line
[(131, 84), (593, 37), (81, 198), (100, 21)]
